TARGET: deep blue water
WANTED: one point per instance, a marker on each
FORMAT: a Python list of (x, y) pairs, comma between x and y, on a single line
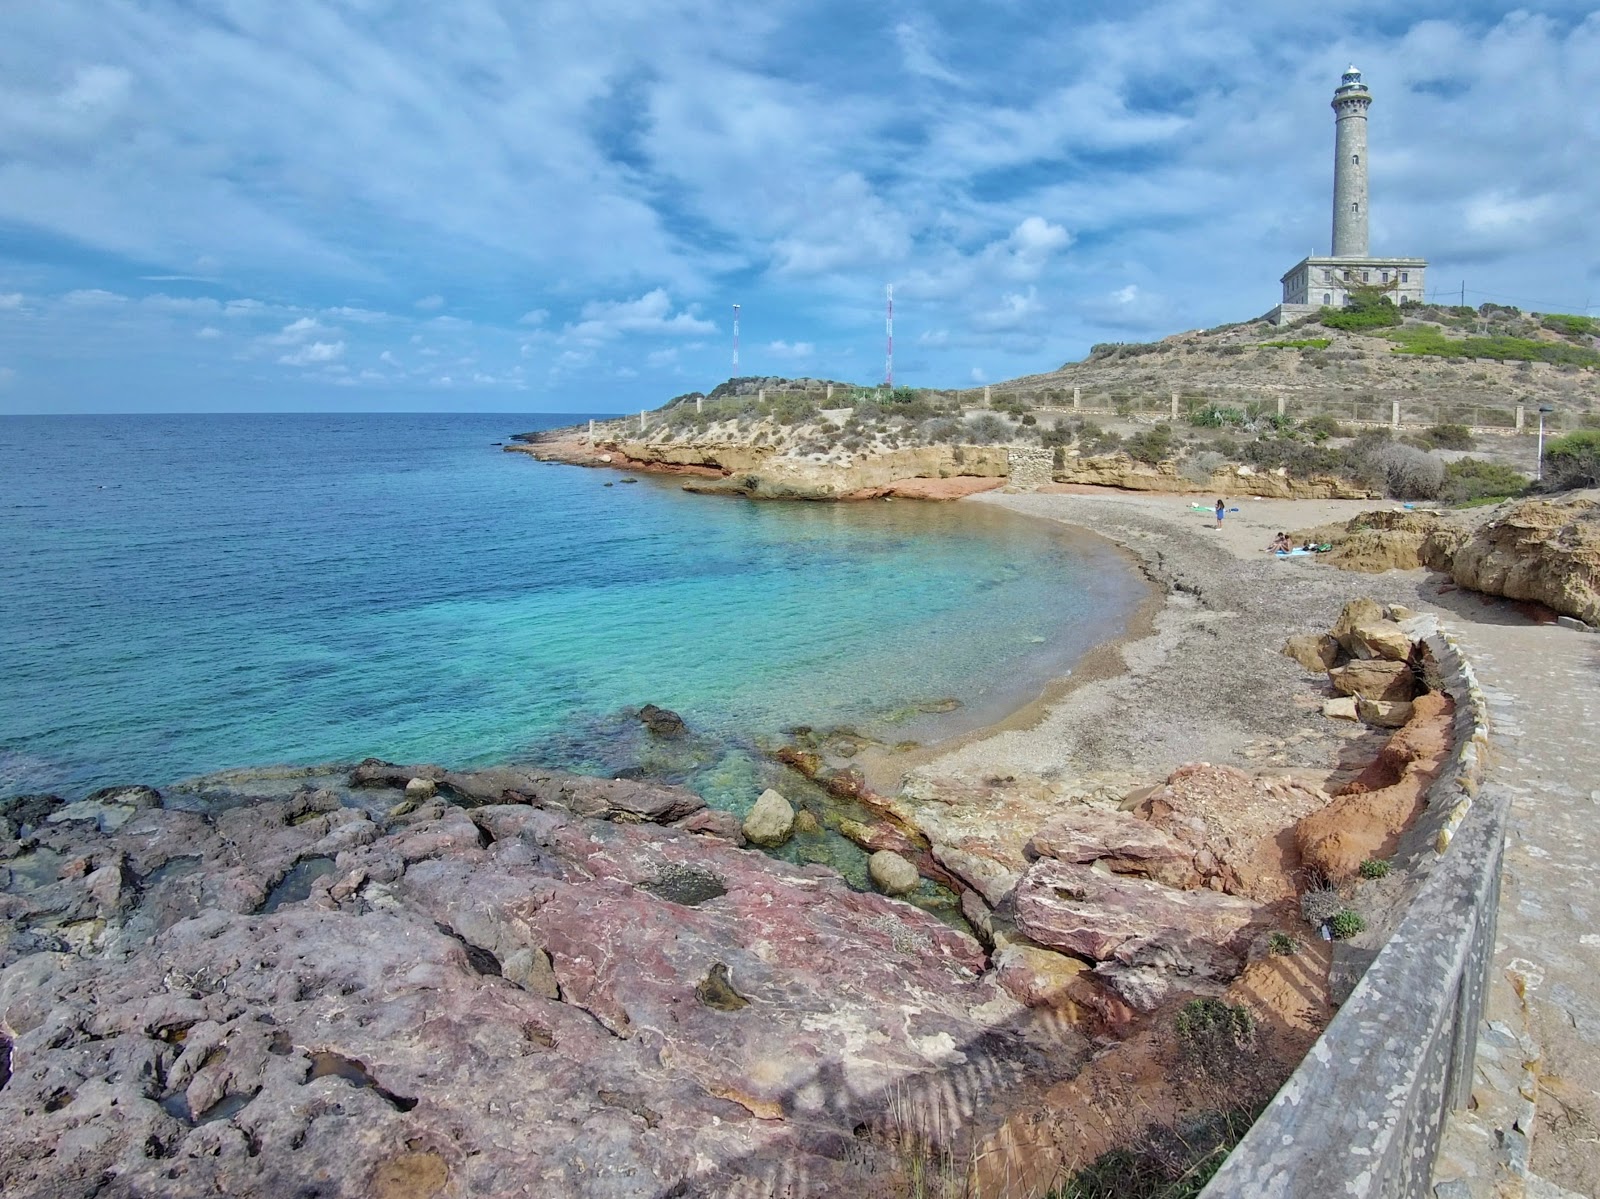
[(182, 594)]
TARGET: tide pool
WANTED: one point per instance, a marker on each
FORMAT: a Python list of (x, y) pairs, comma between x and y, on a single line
[(183, 594)]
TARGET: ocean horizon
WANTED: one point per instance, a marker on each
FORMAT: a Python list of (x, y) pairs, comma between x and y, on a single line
[(191, 593)]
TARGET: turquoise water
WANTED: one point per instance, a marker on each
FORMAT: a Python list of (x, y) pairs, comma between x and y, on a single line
[(183, 594)]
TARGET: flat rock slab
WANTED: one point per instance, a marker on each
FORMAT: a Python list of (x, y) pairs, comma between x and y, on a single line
[(510, 999), (1132, 921)]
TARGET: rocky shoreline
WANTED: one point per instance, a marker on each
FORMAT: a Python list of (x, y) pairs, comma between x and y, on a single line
[(404, 980)]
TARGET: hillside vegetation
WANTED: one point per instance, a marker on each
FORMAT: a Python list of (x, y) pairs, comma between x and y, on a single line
[(1313, 400)]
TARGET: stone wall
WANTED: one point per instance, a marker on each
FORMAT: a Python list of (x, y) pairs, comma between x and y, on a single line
[(1031, 466), (1363, 1114)]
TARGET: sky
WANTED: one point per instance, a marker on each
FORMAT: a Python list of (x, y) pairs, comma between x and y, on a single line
[(553, 205)]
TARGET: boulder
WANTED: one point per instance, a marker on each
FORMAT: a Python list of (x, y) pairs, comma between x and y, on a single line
[(660, 721), (1547, 551), (1315, 651), (1374, 679), (1121, 843), (770, 821), (1101, 918), (1381, 640), (420, 789), (892, 874), (1357, 612), (1384, 714), (1342, 707)]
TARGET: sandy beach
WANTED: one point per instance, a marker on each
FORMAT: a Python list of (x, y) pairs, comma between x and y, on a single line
[(1199, 675)]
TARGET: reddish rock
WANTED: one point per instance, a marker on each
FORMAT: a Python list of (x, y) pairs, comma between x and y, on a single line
[(1367, 818), (1123, 844), (1238, 827), (1132, 921), (397, 1028)]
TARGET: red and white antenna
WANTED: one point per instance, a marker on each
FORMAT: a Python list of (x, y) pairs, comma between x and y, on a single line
[(888, 333), (736, 341)]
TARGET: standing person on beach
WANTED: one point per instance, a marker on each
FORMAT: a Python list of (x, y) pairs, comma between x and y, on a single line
[(1221, 511)]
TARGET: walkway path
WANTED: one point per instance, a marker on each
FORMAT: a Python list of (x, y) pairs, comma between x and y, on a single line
[(1541, 1037)]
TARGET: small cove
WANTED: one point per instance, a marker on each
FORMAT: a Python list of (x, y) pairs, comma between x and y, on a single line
[(204, 592)]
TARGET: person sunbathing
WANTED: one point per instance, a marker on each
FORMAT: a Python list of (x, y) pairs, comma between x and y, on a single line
[(1280, 544)]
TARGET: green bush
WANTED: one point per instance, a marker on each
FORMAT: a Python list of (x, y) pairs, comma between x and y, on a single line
[(1298, 343), (1343, 925), (1151, 446), (1430, 340), (1471, 479), (1282, 944), (1323, 426), (1573, 460), (1215, 416), (1364, 309), (1207, 1024), (1446, 437), (1163, 1161), (1374, 868), (1571, 326)]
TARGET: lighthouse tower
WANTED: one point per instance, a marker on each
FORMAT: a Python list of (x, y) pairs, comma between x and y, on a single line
[(1350, 103), (1316, 282)]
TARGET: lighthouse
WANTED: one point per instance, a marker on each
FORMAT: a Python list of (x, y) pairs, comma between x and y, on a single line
[(1327, 282), (1350, 103)]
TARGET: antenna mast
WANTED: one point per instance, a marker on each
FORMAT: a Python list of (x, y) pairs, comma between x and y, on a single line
[(736, 341), (888, 332)]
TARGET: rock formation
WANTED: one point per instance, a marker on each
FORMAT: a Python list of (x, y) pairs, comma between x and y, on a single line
[(1547, 551), (242, 995)]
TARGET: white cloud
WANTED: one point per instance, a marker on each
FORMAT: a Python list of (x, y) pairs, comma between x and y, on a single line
[(429, 304), (7, 376), (209, 333), (978, 375), (93, 297), (537, 317), (790, 350), (1014, 311), (317, 351), (917, 58), (650, 314), (10, 301)]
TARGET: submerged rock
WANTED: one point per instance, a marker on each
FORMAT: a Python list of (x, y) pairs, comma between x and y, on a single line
[(770, 821), (892, 874)]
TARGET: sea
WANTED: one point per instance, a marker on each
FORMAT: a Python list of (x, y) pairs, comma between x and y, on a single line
[(185, 594)]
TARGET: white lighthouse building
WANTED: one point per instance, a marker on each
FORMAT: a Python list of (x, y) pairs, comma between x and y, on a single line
[(1317, 282)]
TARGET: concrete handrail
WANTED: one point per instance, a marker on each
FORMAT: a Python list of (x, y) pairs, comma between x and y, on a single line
[(1363, 1114)]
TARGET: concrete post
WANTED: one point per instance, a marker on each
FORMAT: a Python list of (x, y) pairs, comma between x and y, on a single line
[(699, 404), (986, 394), (1394, 414), (761, 395), (591, 426), (1281, 404), (1077, 398), (1174, 405), (1520, 415), (830, 391)]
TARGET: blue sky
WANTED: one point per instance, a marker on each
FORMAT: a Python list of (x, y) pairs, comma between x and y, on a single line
[(553, 205)]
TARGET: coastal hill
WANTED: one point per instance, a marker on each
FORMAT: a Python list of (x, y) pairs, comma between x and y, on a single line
[(1246, 408)]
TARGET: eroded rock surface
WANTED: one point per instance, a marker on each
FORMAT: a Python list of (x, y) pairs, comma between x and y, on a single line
[(309, 995)]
